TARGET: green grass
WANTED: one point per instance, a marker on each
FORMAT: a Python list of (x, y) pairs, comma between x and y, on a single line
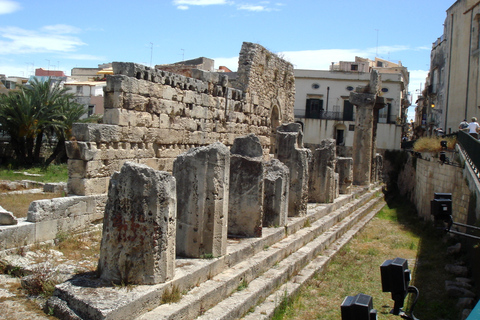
[(53, 173), (396, 231)]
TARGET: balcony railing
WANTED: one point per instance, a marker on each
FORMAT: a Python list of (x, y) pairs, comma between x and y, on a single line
[(471, 146), (339, 116)]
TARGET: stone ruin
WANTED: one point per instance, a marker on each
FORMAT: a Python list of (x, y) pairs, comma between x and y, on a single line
[(138, 241), (202, 192), (368, 102), (152, 116)]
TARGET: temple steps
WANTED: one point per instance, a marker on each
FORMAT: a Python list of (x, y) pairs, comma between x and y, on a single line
[(249, 281), (255, 286)]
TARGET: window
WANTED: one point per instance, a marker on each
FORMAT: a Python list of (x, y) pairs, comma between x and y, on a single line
[(315, 86), (313, 108), (79, 90), (354, 67), (384, 114), (379, 64), (351, 127), (91, 109), (347, 110)]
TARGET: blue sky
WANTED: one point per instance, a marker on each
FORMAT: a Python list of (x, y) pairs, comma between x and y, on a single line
[(61, 35)]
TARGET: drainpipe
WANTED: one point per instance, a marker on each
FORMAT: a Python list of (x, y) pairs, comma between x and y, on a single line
[(328, 94), (468, 69), (449, 74)]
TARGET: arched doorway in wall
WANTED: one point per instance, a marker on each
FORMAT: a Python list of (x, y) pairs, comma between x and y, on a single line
[(274, 124), (339, 134)]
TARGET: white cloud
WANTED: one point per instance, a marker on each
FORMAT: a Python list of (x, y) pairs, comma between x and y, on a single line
[(15, 40), (61, 29), (250, 7), (8, 6), (183, 4)]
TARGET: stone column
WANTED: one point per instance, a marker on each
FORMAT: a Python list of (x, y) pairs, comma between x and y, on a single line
[(364, 98), (291, 152), (138, 242), (202, 191), (321, 181), (245, 209), (345, 174), (276, 189)]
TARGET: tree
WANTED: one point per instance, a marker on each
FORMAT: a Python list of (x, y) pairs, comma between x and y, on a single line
[(41, 110)]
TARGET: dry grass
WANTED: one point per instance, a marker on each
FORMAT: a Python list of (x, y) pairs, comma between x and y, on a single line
[(18, 203), (432, 144), (356, 269)]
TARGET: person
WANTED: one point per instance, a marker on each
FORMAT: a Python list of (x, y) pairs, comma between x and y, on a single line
[(463, 125), (474, 128)]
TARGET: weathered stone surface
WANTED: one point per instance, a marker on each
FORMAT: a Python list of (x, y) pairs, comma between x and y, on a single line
[(202, 191), (457, 270), (454, 291), (245, 209), (289, 147), (248, 146), (454, 249), (169, 113), (7, 218), (138, 243), (365, 127), (344, 168), (321, 177), (276, 189)]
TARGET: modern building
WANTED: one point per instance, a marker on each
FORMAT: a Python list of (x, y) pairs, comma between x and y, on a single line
[(453, 84), (88, 94), (322, 102)]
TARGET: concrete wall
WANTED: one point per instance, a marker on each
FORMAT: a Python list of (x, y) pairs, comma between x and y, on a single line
[(151, 116), (433, 177)]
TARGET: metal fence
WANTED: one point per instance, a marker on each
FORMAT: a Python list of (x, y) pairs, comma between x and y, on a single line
[(471, 147)]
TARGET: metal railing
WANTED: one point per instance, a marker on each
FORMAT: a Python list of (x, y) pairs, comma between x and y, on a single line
[(471, 148)]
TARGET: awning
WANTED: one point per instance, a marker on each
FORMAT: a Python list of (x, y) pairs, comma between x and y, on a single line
[(106, 71)]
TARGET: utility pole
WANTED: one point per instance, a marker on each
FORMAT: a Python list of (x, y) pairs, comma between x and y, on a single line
[(151, 53)]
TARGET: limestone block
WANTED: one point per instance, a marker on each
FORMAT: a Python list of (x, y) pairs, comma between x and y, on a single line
[(113, 100), (93, 132), (14, 236), (116, 116), (138, 243), (289, 147), (202, 191), (321, 182), (52, 209), (276, 189), (245, 213), (128, 68), (168, 93), (83, 186), (81, 150), (136, 102), (60, 187), (344, 169), (7, 218)]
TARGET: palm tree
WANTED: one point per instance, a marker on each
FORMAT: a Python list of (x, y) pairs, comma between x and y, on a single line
[(40, 110)]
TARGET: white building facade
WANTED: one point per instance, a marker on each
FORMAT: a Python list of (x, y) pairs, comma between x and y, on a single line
[(322, 105)]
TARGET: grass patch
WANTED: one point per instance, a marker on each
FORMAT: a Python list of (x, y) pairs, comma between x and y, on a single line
[(53, 173), (171, 295), (396, 231), (18, 203), (432, 144)]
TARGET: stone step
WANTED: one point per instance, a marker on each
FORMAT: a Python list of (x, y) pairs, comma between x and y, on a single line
[(88, 298), (265, 271)]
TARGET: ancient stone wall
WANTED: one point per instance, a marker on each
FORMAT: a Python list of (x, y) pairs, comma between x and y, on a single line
[(152, 116)]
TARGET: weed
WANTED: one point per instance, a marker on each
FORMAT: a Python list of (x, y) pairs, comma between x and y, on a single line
[(242, 285), (265, 247), (307, 223), (171, 295), (207, 256), (39, 283)]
